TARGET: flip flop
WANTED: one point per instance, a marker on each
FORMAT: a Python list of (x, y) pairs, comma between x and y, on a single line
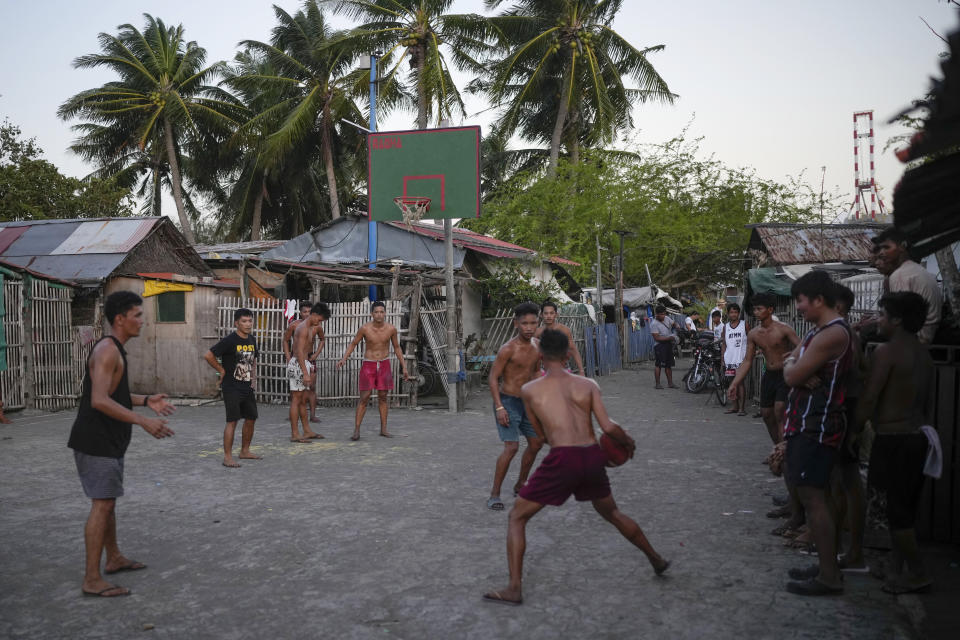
[(779, 512), (354, 438), (812, 587), (301, 440), (741, 413), (785, 531), (133, 565), (900, 588), (103, 592), (804, 574), (315, 436), (495, 504), (494, 596)]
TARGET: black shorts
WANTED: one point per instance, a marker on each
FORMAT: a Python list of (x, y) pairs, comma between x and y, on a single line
[(773, 388), (240, 405), (664, 355), (896, 467), (808, 463)]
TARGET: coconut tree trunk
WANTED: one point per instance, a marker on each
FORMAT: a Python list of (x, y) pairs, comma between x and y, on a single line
[(175, 182), (258, 209), (328, 164), (421, 54), (157, 194), (951, 280), (558, 127)]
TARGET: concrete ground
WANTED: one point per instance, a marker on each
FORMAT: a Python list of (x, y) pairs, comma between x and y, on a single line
[(391, 538)]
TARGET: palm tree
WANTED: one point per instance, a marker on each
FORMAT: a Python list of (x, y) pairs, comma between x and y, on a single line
[(565, 60), (415, 30), (160, 99), (303, 70)]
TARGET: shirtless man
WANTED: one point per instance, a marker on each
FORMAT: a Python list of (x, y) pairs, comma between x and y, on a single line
[(560, 406), (375, 373), (898, 399), (775, 340), (301, 373), (548, 312), (516, 362), (287, 337)]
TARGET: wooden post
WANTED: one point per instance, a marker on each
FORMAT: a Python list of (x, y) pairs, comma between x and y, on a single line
[(413, 332), (29, 387)]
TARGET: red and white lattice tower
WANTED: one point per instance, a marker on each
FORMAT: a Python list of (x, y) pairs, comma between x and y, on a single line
[(863, 158)]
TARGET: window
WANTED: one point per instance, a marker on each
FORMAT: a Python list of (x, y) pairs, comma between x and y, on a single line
[(171, 307)]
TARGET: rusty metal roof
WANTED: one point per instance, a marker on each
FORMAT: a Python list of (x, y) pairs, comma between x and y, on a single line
[(81, 251), (235, 250), (785, 244)]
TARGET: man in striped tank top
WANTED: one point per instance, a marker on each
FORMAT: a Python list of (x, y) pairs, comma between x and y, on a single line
[(816, 372)]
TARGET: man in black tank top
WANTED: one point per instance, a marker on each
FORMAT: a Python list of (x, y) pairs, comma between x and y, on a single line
[(101, 434)]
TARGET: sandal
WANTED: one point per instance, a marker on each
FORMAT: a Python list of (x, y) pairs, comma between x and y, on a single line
[(812, 587), (495, 504)]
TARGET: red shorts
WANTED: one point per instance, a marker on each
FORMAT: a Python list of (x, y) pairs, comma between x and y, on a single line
[(376, 375), (581, 471)]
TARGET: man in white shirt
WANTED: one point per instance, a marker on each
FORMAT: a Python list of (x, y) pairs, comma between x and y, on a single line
[(733, 347), (903, 274), (711, 323), (691, 320)]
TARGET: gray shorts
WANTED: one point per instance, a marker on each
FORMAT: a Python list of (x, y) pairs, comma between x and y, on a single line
[(101, 477)]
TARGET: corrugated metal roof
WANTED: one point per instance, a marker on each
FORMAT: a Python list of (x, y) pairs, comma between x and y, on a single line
[(228, 250), (85, 250), (113, 236), (787, 244)]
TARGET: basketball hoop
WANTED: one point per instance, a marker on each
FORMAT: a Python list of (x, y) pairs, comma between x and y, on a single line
[(412, 207)]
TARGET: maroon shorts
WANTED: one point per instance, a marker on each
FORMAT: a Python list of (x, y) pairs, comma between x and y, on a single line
[(581, 471), (376, 374)]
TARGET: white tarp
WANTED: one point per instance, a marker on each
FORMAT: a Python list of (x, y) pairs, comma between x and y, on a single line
[(639, 296)]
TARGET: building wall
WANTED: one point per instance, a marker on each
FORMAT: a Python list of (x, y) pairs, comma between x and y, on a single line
[(168, 357), (471, 304)]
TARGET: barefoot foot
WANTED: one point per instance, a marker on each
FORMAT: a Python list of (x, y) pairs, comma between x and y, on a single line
[(230, 462), (249, 456), (312, 436), (661, 567), (355, 437), (384, 434)]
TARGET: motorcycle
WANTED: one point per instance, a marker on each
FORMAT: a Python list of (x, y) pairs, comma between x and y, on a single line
[(707, 367)]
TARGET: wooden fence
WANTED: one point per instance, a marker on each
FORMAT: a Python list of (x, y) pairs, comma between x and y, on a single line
[(335, 387), (11, 380), (939, 516), (499, 330), (603, 350), (55, 383)]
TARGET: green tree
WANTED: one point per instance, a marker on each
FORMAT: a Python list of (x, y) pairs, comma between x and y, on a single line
[(301, 78), (32, 188), (688, 214), (562, 77), (419, 31), (160, 101)]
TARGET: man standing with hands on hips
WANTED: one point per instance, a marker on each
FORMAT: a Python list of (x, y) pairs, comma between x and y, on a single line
[(100, 437)]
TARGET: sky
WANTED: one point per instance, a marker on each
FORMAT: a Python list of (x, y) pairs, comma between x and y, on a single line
[(767, 84)]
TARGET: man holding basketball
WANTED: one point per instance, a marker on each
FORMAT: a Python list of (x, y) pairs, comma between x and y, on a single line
[(560, 406)]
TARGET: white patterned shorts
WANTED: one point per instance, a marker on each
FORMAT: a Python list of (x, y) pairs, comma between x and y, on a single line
[(295, 374)]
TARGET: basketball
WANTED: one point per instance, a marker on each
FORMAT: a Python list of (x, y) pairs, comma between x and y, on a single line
[(617, 454)]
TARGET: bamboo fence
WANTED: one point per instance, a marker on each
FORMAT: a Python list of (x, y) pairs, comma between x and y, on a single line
[(54, 379), (335, 387), (433, 320), (11, 380)]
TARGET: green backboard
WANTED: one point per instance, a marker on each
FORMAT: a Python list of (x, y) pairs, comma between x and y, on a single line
[(440, 164)]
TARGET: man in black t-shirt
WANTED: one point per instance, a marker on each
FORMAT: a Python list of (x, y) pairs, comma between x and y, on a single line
[(238, 382)]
